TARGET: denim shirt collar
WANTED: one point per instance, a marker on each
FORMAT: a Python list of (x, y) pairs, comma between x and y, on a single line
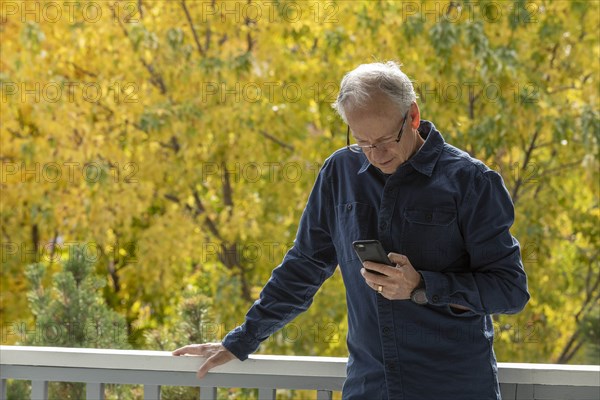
[(426, 157)]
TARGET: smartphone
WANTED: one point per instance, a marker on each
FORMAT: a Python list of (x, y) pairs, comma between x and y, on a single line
[(371, 250)]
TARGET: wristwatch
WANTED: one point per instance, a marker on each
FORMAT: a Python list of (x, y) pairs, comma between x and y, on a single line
[(419, 295)]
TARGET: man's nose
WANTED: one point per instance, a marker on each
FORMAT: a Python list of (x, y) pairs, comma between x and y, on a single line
[(378, 153)]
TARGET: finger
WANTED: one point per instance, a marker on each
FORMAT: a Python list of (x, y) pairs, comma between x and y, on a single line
[(195, 349), (214, 361), (204, 368), (381, 268), (399, 259), (372, 279), (181, 351)]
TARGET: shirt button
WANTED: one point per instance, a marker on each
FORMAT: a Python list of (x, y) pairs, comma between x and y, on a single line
[(349, 207), (392, 366), (435, 298), (386, 330), (429, 217), (384, 225)]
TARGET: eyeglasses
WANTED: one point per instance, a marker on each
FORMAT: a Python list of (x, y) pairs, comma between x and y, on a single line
[(385, 145)]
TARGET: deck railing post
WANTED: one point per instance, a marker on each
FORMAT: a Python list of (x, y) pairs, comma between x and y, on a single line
[(94, 391), (151, 392), (208, 393), (324, 394), (266, 394), (39, 390)]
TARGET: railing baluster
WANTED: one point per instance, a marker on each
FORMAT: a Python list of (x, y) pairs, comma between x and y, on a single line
[(208, 393), (324, 394), (266, 394), (39, 390), (151, 392), (94, 391), (323, 375)]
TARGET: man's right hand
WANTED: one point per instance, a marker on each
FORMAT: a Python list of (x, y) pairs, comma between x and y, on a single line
[(215, 354)]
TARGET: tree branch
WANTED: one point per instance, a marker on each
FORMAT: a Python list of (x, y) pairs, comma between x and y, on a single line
[(515, 193), (562, 358), (155, 78), (201, 210), (227, 192), (279, 142), (35, 238), (560, 168), (472, 99), (249, 41), (576, 341), (191, 23)]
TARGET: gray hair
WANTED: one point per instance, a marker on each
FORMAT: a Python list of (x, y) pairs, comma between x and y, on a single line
[(358, 85)]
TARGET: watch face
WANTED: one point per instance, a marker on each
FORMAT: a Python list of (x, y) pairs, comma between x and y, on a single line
[(419, 296)]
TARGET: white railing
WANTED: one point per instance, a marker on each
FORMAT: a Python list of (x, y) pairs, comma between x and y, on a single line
[(325, 375)]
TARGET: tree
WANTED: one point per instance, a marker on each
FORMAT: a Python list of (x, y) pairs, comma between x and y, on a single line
[(71, 314), (192, 133)]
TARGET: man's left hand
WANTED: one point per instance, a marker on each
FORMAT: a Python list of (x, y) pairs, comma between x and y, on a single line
[(396, 283)]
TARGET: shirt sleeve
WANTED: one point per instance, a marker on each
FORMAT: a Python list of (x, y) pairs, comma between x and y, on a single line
[(494, 281), (292, 285)]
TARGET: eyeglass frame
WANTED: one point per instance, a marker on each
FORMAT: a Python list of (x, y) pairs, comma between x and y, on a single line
[(370, 147)]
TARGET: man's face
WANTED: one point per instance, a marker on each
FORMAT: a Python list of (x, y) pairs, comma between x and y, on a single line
[(380, 121)]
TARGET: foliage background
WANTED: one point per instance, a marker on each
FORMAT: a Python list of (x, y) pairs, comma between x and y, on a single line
[(177, 142)]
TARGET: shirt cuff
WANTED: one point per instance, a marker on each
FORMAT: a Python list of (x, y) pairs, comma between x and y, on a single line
[(240, 343), (436, 288), (438, 293)]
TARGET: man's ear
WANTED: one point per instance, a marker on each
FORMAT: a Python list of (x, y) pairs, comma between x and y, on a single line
[(415, 116)]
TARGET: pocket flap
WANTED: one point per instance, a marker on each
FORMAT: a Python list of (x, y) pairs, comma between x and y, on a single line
[(430, 217)]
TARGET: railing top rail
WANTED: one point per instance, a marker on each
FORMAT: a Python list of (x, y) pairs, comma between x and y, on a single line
[(335, 367), (146, 360)]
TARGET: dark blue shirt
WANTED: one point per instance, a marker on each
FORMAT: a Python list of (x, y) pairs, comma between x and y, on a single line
[(450, 215)]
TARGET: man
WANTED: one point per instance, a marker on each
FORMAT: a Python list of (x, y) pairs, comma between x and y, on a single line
[(422, 330)]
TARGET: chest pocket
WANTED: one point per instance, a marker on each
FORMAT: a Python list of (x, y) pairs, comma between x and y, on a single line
[(356, 221), (431, 237), (430, 217)]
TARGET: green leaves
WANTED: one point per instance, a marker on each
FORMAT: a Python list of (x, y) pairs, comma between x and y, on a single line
[(201, 153), (32, 36), (443, 36)]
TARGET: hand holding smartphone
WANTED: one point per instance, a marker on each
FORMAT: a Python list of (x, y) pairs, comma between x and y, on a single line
[(371, 250)]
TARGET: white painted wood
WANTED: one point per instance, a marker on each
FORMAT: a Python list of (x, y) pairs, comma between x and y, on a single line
[(169, 378), (324, 394), (266, 394), (2, 389), (151, 392), (94, 391), (154, 368), (164, 361), (208, 393), (39, 390), (549, 374)]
